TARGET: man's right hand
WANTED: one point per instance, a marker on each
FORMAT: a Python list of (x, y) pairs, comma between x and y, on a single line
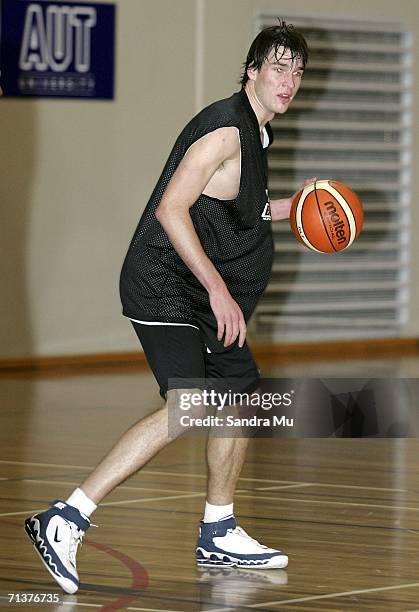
[(230, 319)]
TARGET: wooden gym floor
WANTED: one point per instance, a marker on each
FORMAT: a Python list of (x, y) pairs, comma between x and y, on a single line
[(346, 511)]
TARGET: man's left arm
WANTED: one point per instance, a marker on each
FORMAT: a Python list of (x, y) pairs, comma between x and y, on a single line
[(280, 209)]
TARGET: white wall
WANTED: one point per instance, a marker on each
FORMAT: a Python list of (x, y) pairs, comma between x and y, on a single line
[(77, 174)]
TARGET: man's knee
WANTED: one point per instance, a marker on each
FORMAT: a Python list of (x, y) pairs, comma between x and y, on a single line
[(187, 410)]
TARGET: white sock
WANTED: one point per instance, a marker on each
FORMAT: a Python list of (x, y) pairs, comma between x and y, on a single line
[(217, 513), (79, 500)]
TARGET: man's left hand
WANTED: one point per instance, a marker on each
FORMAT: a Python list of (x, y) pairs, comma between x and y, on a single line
[(280, 209)]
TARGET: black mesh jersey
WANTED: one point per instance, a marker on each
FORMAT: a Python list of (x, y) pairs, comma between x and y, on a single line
[(155, 284)]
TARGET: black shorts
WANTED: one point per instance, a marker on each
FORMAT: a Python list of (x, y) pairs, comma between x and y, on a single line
[(189, 352)]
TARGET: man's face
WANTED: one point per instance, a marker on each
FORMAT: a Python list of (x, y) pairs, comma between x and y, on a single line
[(278, 80)]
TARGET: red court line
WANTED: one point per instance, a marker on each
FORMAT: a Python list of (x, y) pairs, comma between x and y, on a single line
[(138, 572)]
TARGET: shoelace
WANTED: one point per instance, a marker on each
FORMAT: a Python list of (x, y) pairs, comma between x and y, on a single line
[(75, 539), (241, 532)]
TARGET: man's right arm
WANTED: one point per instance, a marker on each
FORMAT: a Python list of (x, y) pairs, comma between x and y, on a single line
[(192, 175)]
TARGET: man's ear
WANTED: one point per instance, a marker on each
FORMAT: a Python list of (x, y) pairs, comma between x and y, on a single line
[(252, 73)]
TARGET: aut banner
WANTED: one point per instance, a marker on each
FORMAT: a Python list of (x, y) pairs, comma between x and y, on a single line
[(57, 49)]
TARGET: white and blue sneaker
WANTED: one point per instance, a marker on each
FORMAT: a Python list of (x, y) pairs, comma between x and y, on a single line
[(224, 544), (56, 534)]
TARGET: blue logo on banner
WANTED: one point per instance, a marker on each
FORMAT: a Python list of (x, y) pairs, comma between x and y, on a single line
[(60, 49)]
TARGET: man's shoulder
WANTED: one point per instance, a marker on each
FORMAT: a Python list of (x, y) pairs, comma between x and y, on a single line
[(227, 112), (226, 108)]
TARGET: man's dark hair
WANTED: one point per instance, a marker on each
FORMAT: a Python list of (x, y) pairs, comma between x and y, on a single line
[(282, 35)]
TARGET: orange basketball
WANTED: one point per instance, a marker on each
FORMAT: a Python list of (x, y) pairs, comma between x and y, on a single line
[(326, 216)]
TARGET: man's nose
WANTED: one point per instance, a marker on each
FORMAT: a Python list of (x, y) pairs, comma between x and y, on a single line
[(289, 79)]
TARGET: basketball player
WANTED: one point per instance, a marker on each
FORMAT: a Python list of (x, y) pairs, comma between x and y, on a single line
[(199, 261)]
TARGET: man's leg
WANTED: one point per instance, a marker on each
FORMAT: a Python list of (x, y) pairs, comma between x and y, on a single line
[(221, 542), (225, 458), (132, 451), (172, 352), (56, 533), (137, 446)]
